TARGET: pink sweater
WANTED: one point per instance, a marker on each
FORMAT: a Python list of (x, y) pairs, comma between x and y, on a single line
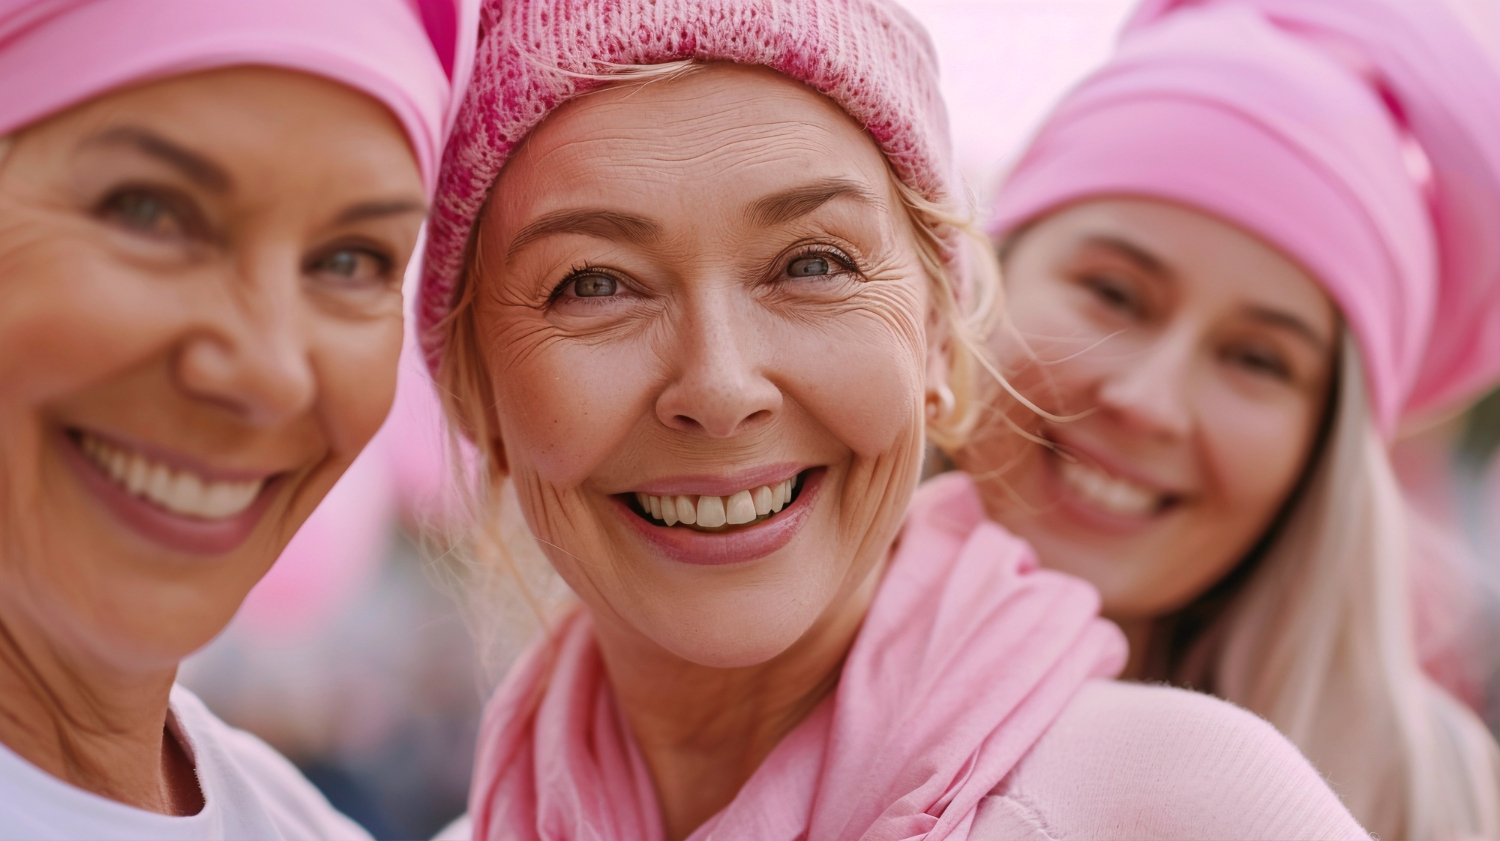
[(1127, 760)]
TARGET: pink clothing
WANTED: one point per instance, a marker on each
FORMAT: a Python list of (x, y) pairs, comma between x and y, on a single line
[(1126, 760), (868, 56), (967, 656), (1360, 137), (409, 54)]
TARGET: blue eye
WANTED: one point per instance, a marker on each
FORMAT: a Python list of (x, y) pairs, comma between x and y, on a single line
[(593, 285), (822, 262), (809, 267)]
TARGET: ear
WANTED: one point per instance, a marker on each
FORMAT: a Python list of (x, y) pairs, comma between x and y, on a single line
[(494, 450), (939, 360), (499, 465)]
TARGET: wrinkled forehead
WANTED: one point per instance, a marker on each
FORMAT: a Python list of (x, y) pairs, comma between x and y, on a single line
[(243, 124), (705, 144)]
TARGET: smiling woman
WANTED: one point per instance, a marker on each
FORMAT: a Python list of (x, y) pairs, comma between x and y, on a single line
[(200, 314), (1240, 258), (696, 289)]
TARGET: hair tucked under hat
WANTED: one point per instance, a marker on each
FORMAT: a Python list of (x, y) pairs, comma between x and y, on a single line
[(411, 55), (1360, 137), (868, 56)]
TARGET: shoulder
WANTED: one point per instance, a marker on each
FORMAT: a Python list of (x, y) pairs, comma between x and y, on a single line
[(252, 781), (1129, 760)]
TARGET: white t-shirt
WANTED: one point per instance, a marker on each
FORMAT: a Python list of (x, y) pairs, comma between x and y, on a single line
[(249, 792)]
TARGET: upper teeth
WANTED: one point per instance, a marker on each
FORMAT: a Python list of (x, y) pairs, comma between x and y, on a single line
[(1110, 493), (711, 512), (177, 491)]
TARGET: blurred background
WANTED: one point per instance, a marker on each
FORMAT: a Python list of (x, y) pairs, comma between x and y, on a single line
[(352, 660)]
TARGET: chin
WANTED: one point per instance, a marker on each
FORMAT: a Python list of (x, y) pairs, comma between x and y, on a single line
[(732, 633)]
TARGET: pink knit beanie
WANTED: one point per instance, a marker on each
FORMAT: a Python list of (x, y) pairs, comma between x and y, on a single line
[(869, 56), (410, 55), (1359, 137)]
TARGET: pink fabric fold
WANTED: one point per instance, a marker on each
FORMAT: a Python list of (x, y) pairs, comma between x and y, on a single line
[(410, 55), (969, 652)]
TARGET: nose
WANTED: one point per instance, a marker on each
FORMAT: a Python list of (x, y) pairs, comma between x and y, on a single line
[(719, 387), (1150, 392), (252, 354)]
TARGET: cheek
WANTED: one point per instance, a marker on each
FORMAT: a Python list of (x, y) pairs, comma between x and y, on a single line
[(1049, 351), (355, 365), (565, 406), (860, 378), (1257, 448), (57, 288)]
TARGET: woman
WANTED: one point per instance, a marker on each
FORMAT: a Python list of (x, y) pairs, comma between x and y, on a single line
[(693, 288), (204, 214), (1238, 258)]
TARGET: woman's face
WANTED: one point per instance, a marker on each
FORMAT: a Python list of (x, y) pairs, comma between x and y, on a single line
[(200, 315), (1202, 359), (703, 317)]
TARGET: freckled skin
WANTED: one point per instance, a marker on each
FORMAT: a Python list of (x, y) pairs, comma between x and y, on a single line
[(216, 339), (710, 360), (1171, 388)]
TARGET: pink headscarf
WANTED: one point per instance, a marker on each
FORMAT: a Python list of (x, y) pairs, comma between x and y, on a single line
[(967, 656), (408, 54), (1360, 137)]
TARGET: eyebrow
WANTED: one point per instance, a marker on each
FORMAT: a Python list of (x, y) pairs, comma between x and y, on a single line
[(1143, 259), (197, 168), (787, 205), (1149, 262), (379, 209), (603, 224), (1291, 324)]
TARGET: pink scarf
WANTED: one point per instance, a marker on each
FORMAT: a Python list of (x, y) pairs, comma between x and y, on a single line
[(968, 654)]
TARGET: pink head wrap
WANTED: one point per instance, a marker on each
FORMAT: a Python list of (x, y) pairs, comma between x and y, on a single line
[(408, 54), (1359, 137), (869, 56)]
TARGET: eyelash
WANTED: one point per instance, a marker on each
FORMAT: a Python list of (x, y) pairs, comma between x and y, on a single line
[(838, 256), (1112, 293), (1261, 363), (578, 271), (384, 262), (180, 207)]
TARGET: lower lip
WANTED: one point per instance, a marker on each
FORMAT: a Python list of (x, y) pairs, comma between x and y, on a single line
[(171, 531), (739, 546), (1083, 512)]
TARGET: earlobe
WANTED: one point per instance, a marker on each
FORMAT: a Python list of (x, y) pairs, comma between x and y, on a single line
[(498, 463), (940, 403)]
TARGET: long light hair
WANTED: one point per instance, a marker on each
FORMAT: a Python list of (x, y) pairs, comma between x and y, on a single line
[(493, 563), (1314, 633)]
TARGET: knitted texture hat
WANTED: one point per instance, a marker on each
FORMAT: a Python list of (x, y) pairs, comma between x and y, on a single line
[(1359, 137), (868, 56)]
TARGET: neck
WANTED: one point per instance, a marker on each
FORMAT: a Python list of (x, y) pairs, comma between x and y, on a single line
[(1138, 636), (703, 731), (97, 729)]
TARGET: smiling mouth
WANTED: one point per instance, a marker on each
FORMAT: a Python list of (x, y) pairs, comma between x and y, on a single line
[(1113, 494), (175, 491), (717, 514)]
